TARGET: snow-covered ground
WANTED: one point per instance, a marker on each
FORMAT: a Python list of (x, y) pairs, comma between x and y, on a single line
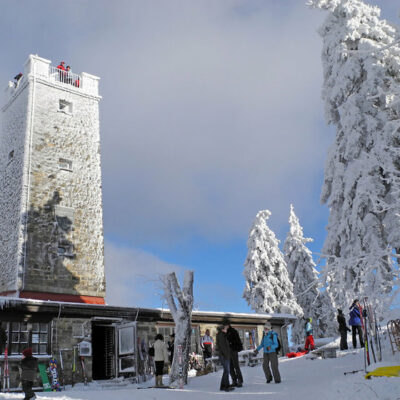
[(302, 378)]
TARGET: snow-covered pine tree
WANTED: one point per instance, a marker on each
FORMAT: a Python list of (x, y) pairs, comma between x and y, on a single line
[(361, 63), (304, 277), (268, 287), (180, 303)]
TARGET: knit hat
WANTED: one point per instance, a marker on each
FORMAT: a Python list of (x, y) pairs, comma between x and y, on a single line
[(267, 325), (27, 352)]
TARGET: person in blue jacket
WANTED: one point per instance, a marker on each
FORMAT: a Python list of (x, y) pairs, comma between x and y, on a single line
[(269, 343), (355, 323)]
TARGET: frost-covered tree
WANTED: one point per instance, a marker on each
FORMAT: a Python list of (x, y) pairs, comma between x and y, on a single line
[(268, 287), (306, 284), (180, 303), (361, 63)]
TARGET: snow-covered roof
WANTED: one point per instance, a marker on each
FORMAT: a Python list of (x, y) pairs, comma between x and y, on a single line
[(244, 315), (10, 301)]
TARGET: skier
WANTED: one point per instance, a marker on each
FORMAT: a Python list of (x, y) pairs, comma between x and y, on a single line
[(29, 367), (207, 344), (309, 336), (343, 329), (224, 357), (160, 358), (269, 343), (235, 345), (355, 323)]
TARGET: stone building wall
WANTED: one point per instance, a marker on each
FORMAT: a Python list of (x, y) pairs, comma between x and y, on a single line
[(66, 334), (52, 243), (65, 198), (15, 116)]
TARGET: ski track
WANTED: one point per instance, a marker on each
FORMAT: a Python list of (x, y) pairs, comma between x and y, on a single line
[(302, 379)]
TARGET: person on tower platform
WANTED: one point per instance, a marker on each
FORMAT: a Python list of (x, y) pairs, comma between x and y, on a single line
[(61, 72)]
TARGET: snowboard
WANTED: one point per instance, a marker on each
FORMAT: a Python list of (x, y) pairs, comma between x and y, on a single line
[(55, 384), (45, 379)]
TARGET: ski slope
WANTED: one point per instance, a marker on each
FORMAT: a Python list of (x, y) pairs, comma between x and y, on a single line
[(302, 379)]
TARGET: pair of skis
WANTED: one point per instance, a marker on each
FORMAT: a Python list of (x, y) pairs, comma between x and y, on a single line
[(369, 325), (6, 373), (83, 366)]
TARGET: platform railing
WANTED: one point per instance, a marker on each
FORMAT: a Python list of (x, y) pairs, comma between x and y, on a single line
[(64, 76)]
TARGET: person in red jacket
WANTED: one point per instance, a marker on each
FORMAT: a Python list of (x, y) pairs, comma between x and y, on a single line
[(61, 72)]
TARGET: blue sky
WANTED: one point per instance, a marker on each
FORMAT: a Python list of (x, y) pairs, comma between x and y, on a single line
[(211, 111)]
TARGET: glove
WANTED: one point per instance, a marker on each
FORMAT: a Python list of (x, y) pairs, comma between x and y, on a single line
[(348, 329)]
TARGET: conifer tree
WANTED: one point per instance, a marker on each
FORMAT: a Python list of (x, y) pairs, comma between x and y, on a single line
[(302, 274), (361, 63), (268, 287)]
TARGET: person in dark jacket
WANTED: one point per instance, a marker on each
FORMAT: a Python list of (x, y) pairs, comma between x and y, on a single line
[(343, 329), (29, 365), (224, 353), (3, 339), (235, 345), (355, 323), (171, 345)]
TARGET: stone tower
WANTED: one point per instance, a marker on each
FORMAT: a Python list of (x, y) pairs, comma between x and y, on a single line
[(51, 221)]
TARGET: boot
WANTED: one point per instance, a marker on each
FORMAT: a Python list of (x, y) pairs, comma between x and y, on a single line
[(157, 381)]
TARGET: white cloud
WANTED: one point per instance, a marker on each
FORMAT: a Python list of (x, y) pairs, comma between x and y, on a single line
[(211, 109), (132, 276)]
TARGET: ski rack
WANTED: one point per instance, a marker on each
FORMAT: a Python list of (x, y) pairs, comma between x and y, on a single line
[(394, 334)]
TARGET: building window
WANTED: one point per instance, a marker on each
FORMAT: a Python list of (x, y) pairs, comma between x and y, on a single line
[(40, 334), (19, 337), (166, 331), (65, 250), (248, 338), (78, 330), (65, 164), (65, 218), (65, 106)]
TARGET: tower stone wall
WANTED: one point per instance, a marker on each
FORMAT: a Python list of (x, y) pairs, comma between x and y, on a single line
[(56, 245)]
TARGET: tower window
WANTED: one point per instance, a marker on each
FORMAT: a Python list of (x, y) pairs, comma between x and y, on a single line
[(65, 106), (65, 218), (65, 164), (10, 156), (65, 250)]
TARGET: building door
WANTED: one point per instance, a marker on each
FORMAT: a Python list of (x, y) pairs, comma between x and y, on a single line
[(126, 348), (103, 351)]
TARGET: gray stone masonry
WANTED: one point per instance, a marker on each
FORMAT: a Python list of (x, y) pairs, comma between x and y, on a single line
[(51, 222)]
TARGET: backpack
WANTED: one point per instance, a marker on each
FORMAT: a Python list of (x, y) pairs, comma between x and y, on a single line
[(151, 351), (278, 349)]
